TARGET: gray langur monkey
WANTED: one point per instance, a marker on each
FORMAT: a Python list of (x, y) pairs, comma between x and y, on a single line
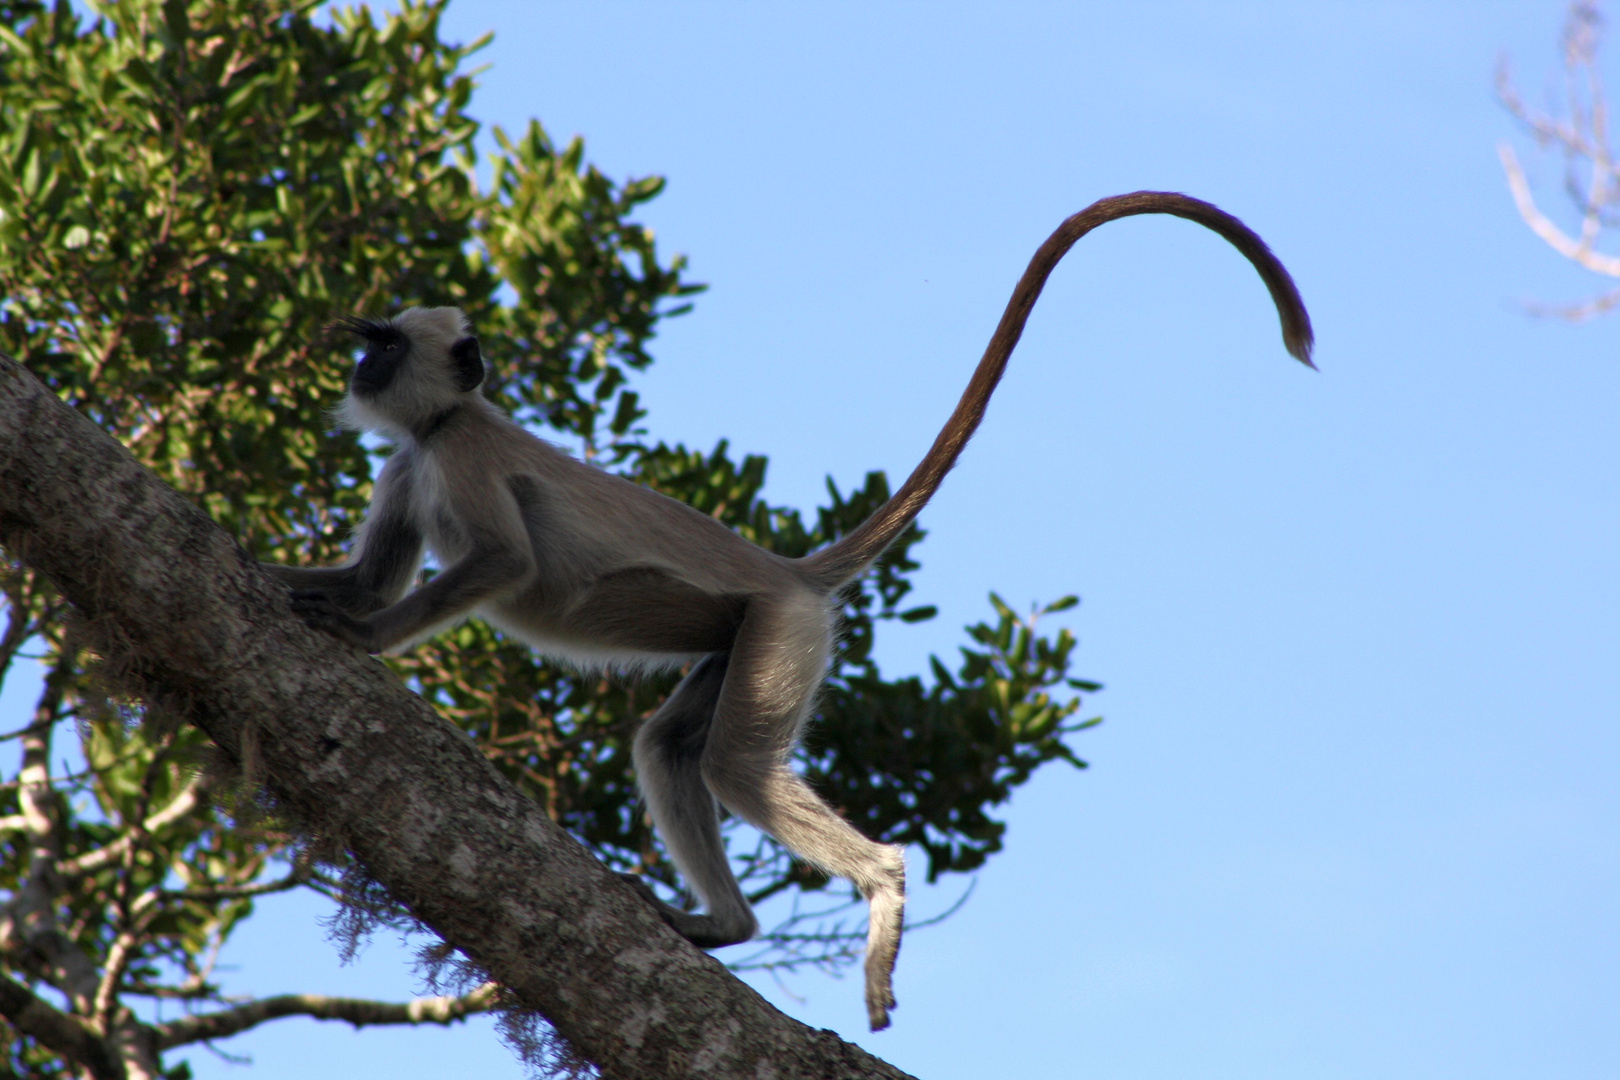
[(591, 568)]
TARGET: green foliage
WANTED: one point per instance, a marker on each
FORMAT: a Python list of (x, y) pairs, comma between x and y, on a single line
[(190, 192)]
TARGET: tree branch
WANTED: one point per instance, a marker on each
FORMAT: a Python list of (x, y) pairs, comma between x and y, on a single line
[(18, 626), (356, 1011), (191, 622), (91, 861), (1591, 175), (298, 876), (1579, 251), (67, 1035), (28, 924)]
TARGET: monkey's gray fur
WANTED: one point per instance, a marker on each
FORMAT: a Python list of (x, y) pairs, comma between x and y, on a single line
[(589, 567)]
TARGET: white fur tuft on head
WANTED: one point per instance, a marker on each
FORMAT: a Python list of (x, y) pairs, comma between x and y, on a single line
[(433, 329)]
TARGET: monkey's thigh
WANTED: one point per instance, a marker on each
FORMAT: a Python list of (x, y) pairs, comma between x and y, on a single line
[(647, 610)]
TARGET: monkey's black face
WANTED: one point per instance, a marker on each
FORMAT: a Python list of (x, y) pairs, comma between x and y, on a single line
[(386, 347)]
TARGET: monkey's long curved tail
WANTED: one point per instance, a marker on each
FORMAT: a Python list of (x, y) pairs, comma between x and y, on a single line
[(845, 560)]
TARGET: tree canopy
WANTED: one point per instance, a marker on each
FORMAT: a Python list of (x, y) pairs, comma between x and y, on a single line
[(190, 192)]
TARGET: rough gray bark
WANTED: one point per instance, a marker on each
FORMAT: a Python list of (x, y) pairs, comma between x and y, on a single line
[(336, 739)]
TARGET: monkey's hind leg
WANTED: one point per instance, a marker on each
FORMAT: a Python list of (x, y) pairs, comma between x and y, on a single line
[(777, 664), (668, 753)]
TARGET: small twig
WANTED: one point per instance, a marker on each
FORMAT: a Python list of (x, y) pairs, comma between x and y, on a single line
[(1588, 309), (298, 876), (193, 989)]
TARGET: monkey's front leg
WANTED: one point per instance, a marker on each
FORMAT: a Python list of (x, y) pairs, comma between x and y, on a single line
[(447, 597), (385, 557)]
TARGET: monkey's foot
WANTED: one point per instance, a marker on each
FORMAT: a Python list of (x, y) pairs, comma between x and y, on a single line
[(704, 931), (879, 1001), (888, 911)]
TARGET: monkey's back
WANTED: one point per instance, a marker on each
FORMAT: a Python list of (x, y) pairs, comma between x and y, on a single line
[(621, 572)]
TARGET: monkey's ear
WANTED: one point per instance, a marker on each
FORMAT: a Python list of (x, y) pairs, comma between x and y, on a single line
[(467, 364)]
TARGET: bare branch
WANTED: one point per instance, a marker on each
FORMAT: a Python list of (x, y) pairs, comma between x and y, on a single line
[(1591, 171), (1578, 250), (355, 1011), (67, 1035)]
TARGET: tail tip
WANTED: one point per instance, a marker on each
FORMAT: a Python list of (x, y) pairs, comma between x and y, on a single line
[(1299, 345)]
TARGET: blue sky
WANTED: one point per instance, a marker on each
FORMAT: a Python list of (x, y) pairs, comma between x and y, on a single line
[(1352, 811)]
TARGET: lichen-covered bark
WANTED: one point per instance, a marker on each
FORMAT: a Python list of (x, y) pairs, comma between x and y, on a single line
[(335, 738)]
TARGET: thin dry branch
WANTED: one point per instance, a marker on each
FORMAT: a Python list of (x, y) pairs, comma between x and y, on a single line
[(1592, 174), (1579, 251), (355, 1011)]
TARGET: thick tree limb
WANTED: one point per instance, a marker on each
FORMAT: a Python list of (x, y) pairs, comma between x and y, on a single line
[(349, 751), (356, 1011)]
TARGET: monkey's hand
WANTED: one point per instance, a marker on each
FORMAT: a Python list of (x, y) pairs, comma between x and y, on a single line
[(337, 583), (321, 612), (700, 930)]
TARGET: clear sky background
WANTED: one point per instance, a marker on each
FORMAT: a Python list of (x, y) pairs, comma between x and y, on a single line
[(1353, 809)]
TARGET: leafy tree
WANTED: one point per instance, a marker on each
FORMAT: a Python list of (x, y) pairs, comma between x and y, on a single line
[(190, 191)]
